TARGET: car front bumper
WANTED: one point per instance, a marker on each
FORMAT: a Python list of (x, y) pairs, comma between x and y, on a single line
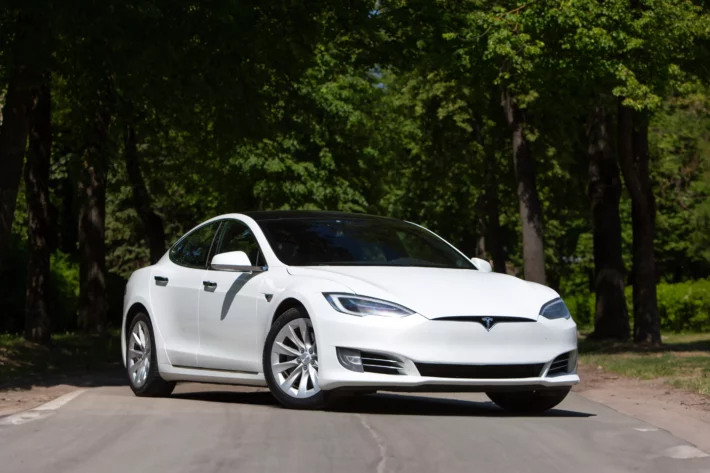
[(416, 340)]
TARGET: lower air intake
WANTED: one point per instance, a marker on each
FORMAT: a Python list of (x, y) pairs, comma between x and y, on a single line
[(379, 363), (560, 365), (436, 370)]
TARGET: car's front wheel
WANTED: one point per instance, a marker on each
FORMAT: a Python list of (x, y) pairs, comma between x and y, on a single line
[(291, 361), (142, 361), (529, 402)]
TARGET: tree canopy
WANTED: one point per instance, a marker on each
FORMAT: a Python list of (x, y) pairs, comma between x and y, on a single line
[(567, 142)]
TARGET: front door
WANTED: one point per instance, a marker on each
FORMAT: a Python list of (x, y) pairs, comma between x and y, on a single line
[(228, 324), (175, 291)]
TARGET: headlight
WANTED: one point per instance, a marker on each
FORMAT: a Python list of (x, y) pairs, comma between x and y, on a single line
[(555, 309), (361, 306)]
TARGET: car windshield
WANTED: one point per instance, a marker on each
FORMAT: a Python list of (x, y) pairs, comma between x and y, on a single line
[(359, 242)]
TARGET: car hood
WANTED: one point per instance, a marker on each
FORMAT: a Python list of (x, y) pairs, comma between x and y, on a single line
[(436, 292)]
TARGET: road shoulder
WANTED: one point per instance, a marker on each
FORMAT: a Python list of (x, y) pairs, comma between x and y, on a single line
[(25, 394), (684, 414)]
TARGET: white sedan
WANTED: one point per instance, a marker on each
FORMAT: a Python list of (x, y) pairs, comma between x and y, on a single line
[(313, 303)]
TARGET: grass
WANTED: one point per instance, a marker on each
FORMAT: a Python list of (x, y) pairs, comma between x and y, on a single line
[(68, 353), (682, 361)]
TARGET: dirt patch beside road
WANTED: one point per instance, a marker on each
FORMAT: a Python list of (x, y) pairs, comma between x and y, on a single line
[(684, 414), (18, 400), (28, 393)]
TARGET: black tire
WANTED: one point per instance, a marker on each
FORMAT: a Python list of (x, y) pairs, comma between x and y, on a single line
[(154, 385), (529, 402), (316, 401)]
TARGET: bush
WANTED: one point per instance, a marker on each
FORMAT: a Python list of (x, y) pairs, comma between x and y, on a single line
[(682, 307), (581, 306), (64, 290), (13, 281)]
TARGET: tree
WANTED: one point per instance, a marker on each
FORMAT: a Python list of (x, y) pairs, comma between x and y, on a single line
[(152, 222), (529, 200), (92, 216), (663, 37), (634, 158), (221, 75), (22, 77), (37, 310), (611, 319)]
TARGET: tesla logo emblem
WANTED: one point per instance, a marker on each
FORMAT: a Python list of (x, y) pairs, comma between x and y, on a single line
[(488, 322)]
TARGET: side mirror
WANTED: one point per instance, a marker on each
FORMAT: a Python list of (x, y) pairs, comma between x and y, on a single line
[(482, 265), (234, 261)]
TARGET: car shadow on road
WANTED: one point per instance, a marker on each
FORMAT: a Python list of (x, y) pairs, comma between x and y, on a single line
[(383, 404), (258, 398), (410, 404)]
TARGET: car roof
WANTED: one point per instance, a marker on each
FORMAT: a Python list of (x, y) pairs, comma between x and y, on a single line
[(264, 215)]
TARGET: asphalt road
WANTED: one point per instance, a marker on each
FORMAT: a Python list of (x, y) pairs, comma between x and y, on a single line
[(205, 429)]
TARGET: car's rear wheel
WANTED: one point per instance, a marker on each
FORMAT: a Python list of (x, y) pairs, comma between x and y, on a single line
[(142, 362), (529, 402), (291, 362)]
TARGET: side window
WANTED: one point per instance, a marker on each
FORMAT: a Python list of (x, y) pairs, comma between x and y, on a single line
[(237, 236), (193, 250)]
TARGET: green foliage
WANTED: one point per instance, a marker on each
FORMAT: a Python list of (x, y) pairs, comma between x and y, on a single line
[(581, 305), (680, 146), (389, 107), (65, 291), (684, 307)]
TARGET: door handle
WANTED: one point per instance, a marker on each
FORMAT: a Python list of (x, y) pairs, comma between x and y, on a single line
[(209, 284), (160, 279)]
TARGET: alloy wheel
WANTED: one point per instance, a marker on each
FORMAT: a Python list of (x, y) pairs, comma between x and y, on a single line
[(139, 351), (294, 359)]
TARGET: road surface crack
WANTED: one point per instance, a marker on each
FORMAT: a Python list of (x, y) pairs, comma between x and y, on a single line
[(380, 444)]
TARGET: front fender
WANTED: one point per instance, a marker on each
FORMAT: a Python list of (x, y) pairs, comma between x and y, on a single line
[(307, 290)]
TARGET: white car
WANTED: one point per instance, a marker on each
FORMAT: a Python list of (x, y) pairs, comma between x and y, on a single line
[(312, 303)]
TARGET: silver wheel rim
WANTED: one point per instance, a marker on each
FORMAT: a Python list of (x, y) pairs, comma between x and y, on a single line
[(139, 350), (294, 359)]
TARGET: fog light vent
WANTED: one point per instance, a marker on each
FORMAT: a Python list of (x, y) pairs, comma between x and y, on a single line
[(563, 364), (382, 364), (369, 362)]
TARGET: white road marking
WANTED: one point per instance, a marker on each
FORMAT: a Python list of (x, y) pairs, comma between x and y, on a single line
[(60, 401), (683, 452), (41, 411), (22, 417), (645, 429)]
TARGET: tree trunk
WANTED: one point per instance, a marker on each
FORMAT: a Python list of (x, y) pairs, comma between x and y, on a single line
[(152, 223), (92, 223), (492, 215), (611, 320), (13, 141), (37, 312), (530, 208), (634, 160)]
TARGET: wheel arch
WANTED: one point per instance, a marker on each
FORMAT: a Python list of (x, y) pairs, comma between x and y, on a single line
[(135, 309), (286, 304)]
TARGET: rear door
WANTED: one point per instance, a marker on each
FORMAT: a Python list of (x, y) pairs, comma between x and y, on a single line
[(228, 321), (175, 291)]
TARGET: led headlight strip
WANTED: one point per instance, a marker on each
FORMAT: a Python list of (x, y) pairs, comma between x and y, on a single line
[(360, 306)]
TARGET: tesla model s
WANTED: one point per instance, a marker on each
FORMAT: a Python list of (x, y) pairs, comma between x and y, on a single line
[(315, 303)]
